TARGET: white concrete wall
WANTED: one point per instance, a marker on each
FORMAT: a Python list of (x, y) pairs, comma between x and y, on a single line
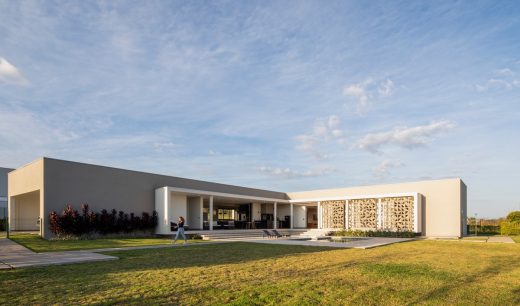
[(178, 207), (283, 210), (300, 216), (256, 211), (268, 208), (26, 211), (161, 207), (193, 219), (443, 202)]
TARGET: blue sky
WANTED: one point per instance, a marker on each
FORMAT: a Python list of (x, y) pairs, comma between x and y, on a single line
[(279, 95)]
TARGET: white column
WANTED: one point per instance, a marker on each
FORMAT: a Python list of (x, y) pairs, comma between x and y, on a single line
[(201, 213), (292, 215), (275, 226), (319, 214), (210, 213)]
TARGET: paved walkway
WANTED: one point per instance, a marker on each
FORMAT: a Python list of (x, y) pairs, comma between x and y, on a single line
[(13, 255), (361, 243), (501, 239)]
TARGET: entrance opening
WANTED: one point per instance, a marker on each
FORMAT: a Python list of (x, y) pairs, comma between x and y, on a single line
[(312, 217), (25, 211)]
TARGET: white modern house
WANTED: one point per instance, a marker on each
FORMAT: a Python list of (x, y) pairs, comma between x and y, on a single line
[(430, 208)]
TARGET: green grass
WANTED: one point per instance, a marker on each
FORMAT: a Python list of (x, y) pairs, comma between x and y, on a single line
[(516, 238), (37, 244), (419, 272)]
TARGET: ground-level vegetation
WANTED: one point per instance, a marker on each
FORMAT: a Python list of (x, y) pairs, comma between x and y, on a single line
[(430, 272), (36, 243)]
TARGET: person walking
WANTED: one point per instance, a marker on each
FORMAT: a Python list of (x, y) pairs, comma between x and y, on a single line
[(180, 230)]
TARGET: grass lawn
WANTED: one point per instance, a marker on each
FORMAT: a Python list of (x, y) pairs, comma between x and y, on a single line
[(37, 244), (516, 238), (430, 272)]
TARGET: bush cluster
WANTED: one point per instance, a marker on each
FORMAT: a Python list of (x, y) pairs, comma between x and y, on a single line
[(511, 226), (3, 225), (484, 229), (71, 222), (360, 233)]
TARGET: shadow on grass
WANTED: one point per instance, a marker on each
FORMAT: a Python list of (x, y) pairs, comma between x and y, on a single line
[(212, 254), (102, 277)]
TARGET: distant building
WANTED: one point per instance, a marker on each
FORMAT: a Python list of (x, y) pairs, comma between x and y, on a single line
[(435, 208), (3, 192)]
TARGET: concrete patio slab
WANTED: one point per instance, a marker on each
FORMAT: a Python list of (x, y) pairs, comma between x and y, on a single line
[(361, 243), (500, 239)]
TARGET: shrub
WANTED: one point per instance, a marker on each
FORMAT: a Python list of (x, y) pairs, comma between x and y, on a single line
[(370, 233), (71, 223), (484, 229), (514, 217), (509, 228), (3, 225), (195, 236)]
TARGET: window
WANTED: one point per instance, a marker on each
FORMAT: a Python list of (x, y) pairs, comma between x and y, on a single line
[(226, 214)]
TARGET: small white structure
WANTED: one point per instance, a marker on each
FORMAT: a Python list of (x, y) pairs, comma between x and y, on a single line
[(390, 212)]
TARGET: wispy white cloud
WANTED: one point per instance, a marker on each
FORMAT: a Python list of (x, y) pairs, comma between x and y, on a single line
[(382, 170), (505, 72), (114, 83), (10, 74), (359, 92), (503, 79), (405, 137), (324, 130), (290, 173), (386, 88), (365, 92), (164, 146)]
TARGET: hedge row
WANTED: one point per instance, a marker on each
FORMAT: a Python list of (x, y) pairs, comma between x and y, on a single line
[(71, 222), (509, 228)]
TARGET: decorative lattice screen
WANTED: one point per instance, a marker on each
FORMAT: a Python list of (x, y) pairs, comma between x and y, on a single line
[(362, 214), (333, 214), (398, 213)]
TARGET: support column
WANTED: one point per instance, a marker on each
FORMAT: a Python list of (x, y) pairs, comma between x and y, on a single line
[(210, 213), (319, 214), (292, 215), (275, 223), (201, 213)]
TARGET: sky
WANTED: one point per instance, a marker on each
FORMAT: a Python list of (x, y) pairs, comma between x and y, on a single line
[(279, 95)]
